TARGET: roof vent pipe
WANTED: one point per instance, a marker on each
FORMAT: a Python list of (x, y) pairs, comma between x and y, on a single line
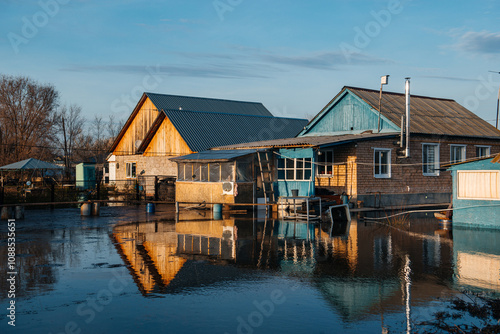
[(407, 94)]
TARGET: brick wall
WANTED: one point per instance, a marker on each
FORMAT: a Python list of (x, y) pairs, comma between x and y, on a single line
[(356, 177)]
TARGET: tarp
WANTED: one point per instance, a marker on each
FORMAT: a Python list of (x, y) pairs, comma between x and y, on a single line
[(29, 164)]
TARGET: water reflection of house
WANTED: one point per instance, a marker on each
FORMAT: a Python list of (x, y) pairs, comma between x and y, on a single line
[(477, 258)]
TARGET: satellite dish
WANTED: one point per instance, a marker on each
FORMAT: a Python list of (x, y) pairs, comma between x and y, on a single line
[(138, 143)]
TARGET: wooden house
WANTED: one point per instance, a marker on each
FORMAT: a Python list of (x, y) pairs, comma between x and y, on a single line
[(164, 126), (345, 150), (476, 192)]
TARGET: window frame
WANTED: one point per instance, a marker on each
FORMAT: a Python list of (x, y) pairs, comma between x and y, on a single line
[(453, 159), (128, 170), (387, 175), (436, 160), (296, 161), (488, 147), (328, 168)]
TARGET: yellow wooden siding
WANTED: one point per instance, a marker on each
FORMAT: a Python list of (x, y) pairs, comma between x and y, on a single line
[(338, 178), (478, 185), (167, 141), (138, 129), (197, 192)]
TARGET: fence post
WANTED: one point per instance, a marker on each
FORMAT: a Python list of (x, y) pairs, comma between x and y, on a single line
[(98, 189), (52, 194), (137, 194), (156, 188)]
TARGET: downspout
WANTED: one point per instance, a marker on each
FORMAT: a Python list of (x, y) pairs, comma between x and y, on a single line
[(407, 93)]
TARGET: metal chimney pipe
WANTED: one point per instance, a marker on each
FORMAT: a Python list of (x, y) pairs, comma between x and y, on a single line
[(407, 94)]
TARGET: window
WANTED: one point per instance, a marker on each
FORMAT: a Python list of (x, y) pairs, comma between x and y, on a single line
[(325, 163), (457, 153), (382, 163), (483, 151), (430, 159), (131, 167), (297, 169), (478, 185)]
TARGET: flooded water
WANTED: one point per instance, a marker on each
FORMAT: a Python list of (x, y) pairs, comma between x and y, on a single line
[(127, 272)]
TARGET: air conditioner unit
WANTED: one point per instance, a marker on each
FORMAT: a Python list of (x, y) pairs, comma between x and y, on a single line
[(228, 188)]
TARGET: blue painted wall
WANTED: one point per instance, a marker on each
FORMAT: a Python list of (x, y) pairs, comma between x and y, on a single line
[(348, 114), (306, 188), (475, 213)]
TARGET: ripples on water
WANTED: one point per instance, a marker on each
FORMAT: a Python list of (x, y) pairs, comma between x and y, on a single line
[(125, 271)]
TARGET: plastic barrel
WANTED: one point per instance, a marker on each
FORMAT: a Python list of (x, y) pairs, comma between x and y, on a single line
[(295, 192), (19, 212), (96, 209), (150, 208), (86, 209), (217, 211)]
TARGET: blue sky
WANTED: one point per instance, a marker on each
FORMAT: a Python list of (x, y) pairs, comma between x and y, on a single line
[(293, 56)]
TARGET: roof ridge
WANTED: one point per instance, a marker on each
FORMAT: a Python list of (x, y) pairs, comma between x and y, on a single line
[(233, 114), (203, 98), (395, 93)]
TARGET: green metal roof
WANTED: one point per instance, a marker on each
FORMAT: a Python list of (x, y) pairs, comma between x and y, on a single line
[(176, 102), (204, 130)]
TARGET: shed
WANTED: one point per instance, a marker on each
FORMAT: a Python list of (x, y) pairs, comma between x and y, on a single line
[(85, 175), (476, 192)]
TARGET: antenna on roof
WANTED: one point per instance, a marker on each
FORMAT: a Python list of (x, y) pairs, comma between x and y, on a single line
[(498, 99), (384, 80)]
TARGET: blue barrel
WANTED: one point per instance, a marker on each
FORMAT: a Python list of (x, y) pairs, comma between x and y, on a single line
[(217, 211), (150, 208)]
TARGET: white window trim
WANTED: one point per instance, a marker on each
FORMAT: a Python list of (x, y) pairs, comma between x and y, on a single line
[(452, 146), (436, 163), (295, 169), (389, 165), (317, 166), (126, 169), (484, 146)]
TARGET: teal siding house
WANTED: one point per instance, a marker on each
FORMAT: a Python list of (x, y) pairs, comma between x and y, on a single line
[(476, 193)]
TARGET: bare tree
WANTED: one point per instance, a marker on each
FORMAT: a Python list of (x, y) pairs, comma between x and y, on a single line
[(69, 124), (114, 128), (26, 118)]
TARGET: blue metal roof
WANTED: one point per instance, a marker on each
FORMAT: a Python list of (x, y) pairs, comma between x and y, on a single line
[(226, 155), (175, 102), (30, 163), (204, 130)]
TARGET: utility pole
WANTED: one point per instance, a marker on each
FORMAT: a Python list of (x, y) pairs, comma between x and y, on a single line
[(498, 100), (384, 80)]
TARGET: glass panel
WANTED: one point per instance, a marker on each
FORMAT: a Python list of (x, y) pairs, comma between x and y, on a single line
[(281, 163), (227, 171), (300, 163), (289, 163), (133, 170), (308, 162), (214, 172), (196, 172), (180, 171), (188, 172), (204, 172), (281, 174), (308, 174), (289, 174), (300, 174), (243, 172)]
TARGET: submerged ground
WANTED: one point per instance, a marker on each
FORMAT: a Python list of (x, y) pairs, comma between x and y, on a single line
[(128, 272)]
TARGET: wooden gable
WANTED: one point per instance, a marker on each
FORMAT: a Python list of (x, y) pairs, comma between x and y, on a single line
[(136, 128), (167, 141), (347, 114)]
